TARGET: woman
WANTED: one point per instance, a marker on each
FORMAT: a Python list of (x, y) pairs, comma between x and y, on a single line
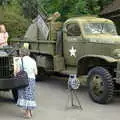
[(3, 36), (26, 96)]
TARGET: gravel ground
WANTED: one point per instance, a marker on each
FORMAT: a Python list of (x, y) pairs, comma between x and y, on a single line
[(53, 104)]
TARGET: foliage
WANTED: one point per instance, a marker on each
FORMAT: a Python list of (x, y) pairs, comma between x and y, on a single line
[(30, 8), (79, 8), (95, 6), (4, 2), (69, 8), (15, 23)]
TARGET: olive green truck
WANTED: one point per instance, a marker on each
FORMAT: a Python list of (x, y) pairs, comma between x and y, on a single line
[(86, 46)]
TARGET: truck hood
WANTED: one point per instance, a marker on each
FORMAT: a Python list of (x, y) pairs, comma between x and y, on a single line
[(106, 39)]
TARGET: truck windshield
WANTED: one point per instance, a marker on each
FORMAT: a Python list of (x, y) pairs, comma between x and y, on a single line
[(100, 28)]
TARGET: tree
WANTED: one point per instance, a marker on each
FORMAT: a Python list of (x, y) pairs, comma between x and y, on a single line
[(67, 8), (11, 15), (4, 2), (30, 8), (80, 8), (102, 3), (95, 6)]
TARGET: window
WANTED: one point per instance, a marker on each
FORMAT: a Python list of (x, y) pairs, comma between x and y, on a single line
[(100, 28), (73, 30)]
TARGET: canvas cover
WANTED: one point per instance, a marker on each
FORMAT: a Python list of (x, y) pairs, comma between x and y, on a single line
[(43, 28)]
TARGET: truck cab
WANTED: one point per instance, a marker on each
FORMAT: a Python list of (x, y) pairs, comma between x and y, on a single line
[(88, 35)]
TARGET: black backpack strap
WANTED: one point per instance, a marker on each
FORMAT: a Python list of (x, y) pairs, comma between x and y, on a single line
[(22, 63)]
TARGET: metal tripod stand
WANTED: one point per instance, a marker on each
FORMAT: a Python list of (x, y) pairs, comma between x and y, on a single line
[(73, 86)]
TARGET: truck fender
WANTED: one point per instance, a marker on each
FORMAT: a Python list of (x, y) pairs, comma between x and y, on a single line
[(87, 62)]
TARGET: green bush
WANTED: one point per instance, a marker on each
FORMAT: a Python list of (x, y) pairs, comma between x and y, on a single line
[(16, 24)]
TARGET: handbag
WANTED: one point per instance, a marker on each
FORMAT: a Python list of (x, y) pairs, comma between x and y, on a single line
[(21, 78)]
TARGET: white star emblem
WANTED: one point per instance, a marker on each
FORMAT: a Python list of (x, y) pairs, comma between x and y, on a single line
[(72, 51)]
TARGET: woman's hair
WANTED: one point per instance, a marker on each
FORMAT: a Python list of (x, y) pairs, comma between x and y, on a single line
[(2, 28), (24, 52)]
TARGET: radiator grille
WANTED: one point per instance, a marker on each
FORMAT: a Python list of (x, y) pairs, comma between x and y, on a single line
[(6, 67)]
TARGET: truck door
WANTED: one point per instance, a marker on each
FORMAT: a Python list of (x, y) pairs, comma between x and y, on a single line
[(72, 43)]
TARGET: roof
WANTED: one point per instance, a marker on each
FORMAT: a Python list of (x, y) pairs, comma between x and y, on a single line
[(114, 6), (87, 19)]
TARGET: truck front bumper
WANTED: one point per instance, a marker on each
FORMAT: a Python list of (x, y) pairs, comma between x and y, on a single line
[(7, 83)]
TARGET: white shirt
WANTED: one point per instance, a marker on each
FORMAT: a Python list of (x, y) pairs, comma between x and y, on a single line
[(30, 66)]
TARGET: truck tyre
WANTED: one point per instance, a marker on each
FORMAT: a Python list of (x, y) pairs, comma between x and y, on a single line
[(15, 94), (100, 85)]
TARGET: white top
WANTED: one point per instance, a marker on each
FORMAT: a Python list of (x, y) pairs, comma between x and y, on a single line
[(30, 66)]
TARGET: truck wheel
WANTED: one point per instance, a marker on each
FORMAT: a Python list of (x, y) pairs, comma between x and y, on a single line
[(15, 94), (100, 85)]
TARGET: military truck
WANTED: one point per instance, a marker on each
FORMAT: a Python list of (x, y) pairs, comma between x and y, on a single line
[(86, 46)]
